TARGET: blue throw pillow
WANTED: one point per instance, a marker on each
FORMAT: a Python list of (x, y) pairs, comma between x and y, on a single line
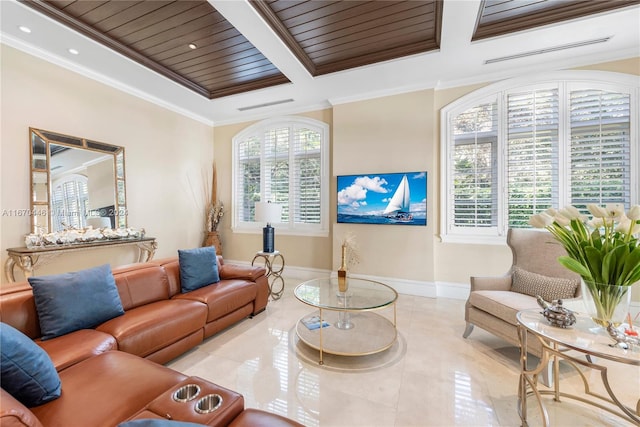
[(72, 301), (198, 267), (157, 422), (27, 373)]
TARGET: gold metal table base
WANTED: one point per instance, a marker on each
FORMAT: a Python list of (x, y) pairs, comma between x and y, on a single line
[(274, 263), (553, 352)]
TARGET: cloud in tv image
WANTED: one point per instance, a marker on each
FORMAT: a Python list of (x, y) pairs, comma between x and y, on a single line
[(392, 198)]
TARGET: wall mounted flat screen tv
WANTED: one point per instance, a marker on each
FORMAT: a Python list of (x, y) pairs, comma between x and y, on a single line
[(383, 198)]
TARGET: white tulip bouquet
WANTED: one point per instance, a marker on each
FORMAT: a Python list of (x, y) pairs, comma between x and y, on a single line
[(603, 250)]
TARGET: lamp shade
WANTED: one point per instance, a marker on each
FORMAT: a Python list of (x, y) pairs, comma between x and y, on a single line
[(268, 212)]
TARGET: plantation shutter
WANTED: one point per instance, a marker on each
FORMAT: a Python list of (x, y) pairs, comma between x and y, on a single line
[(600, 147), (248, 177), (306, 183), (69, 204), (474, 166), (532, 154), (276, 168)]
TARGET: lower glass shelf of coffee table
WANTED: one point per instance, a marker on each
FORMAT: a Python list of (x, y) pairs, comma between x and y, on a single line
[(368, 333)]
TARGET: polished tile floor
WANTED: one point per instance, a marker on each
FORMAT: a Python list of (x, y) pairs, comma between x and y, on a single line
[(430, 377)]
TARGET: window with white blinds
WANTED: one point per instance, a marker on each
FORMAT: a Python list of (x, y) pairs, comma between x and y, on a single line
[(475, 189), (532, 154), (70, 203), (283, 161), (600, 147), (516, 151)]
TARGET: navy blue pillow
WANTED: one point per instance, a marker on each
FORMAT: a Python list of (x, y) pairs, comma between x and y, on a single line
[(157, 422), (27, 373), (78, 300), (198, 268)]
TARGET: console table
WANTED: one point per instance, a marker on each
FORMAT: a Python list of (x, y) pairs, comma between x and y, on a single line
[(572, 345), (27, 259)]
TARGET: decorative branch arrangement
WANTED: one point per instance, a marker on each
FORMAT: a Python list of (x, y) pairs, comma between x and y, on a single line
[(214, 210), (350, 249)]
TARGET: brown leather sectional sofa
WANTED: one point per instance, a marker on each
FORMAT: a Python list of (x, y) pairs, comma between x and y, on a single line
[(105, 377)]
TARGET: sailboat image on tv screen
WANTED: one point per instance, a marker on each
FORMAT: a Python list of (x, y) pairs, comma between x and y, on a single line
[(399, 207)]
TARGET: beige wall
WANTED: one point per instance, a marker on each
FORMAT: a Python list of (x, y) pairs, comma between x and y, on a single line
[(164, 151), (386, 135)]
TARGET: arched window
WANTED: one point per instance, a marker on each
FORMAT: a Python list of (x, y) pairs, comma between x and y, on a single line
[(284, 161), (518, 147)]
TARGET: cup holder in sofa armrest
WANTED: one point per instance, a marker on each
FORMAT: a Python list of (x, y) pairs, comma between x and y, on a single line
[(186, 393), (200, 408), (208, 403)]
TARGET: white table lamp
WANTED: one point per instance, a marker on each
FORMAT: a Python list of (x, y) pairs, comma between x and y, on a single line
[(270, 213)]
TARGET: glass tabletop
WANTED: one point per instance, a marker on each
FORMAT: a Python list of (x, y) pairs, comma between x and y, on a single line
[(585, 336), (362, 294)]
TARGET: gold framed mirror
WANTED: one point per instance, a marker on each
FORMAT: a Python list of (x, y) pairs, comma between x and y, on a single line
[(75, 183)]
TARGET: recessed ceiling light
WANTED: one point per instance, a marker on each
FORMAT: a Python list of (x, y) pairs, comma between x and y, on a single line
[(193, 46), (73, 51), (24, 29)]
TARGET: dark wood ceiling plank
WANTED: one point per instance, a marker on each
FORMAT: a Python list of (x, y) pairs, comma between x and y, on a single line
[(367, 13), (557, 11), (74, 23), (206, 62), (369, 29), (369, 46), (331, 10), (243, 76), (136, 11), (500, 10), (338, 64), (204, 29), (61, 4), (161, 14), (106, 10), (401, 35), (314, 7), (183, 21), (222, 67), (231, 89), (231, 70), (279, 5), (206, 48), (79, 8)]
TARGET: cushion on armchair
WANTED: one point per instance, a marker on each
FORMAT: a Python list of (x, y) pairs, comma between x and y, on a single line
[(549, 288)]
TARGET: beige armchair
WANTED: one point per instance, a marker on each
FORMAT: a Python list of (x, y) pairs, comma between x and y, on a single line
[(493, 302)]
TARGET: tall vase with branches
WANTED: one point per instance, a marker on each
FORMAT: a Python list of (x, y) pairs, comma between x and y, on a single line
[(214, 210)]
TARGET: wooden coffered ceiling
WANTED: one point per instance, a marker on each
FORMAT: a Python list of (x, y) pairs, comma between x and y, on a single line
[(324, 36), (499, 17), (329, 36)]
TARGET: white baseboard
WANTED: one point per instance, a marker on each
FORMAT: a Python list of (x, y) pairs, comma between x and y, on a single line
[(402, 286)]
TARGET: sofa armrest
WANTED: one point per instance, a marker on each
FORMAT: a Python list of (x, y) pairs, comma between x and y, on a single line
[(14, 413), (495, 283), (235, 271)]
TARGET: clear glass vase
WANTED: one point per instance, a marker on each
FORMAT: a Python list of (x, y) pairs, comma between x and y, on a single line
[(606, 303)]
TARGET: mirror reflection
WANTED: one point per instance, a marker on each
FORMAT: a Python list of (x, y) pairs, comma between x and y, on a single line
[(75, 183)]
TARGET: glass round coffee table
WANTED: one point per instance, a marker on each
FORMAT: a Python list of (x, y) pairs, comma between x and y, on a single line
[(351, 323)]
